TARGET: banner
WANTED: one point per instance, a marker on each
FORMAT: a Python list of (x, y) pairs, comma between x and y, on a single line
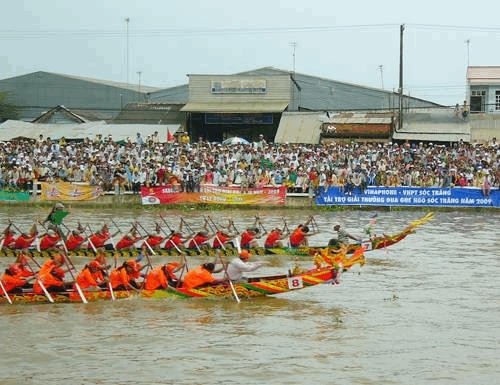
[(214, 195), (410, 196), (64, 191), (19, 196)]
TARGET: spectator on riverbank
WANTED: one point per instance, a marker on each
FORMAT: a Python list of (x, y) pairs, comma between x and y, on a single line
[(129, 166)]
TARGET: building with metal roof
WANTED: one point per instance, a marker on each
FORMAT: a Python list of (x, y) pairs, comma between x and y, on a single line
[(38, 92)]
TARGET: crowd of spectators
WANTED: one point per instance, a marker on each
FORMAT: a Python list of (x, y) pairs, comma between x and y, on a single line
[(128, 165)]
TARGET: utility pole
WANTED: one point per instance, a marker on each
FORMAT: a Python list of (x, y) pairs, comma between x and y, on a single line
[(293, 44), (468, 52), (139, 84), (127, 21), (400, 120), (381, 68)]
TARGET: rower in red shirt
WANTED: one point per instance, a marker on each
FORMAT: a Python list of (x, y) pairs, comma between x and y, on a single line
[(249, 238), (49, 240), (299, 236), (175, 240), (75, 240), (24, 240), (128, 240), (200, 239), (99, 238), (274, 238), (154, 239), (8, 238)]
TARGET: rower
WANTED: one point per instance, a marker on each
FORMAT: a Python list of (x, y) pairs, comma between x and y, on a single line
[(51, 275), (17, 274), (74, 240), (91, 276), (163, 276), (25, 240), (128, 240), (249, 237), (274, 238)]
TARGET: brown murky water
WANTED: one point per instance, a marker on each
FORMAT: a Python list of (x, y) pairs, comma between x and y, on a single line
[(425, 311)]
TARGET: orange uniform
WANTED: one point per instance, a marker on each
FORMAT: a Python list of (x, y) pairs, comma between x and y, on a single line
[(197, 277), (51, 275), (125, 275), (14, 276), (159, 277), (89, 276)]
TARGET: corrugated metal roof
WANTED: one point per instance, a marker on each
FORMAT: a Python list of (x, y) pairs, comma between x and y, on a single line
[(16, 128), (245, 107), (299, 127)]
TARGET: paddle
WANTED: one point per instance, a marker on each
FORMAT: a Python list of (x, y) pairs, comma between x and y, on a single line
[(236, 239), (259, 222), (227, 275), (87, 237), (192, 232), (4, 234), (68, 261), (145, 238), (5, 292)]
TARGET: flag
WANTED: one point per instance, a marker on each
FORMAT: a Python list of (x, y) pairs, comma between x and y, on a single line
[(170, 137)]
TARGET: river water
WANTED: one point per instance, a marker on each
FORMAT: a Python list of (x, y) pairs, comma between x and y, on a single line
[(424, 311)]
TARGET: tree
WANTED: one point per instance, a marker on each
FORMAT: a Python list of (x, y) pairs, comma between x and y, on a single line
[(7, 110)]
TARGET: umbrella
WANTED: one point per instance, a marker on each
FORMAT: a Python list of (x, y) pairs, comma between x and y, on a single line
[(235, 140)]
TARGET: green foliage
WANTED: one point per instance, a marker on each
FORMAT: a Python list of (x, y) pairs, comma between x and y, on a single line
[(7, 110)]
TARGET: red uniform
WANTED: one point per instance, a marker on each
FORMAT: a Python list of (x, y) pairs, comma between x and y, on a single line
[(220, 239), (247, 237), (99, 239), (49, 240), (154, 240), (198, 240), (272, 239), (175, 240), (74, 241), (126, 242), (24, 241), (9, 239), (297, 237)]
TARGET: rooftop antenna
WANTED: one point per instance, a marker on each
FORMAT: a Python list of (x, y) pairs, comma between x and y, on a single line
[(127, 21), (381, 69), (293, 44)]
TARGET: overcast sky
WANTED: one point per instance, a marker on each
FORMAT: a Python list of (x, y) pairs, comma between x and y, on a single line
[(351, 41)]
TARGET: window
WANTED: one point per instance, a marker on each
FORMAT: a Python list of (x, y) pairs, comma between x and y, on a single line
[(477, 100), (497, 100)]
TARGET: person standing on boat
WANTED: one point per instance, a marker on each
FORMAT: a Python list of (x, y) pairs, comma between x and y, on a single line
[(56, 215), (201, 275), (342, 237), (240, 265)]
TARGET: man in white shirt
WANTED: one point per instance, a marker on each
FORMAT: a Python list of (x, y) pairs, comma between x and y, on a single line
[(240, 265)]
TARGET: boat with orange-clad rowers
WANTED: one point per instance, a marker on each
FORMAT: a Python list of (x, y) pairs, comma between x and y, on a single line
[(327, 269)]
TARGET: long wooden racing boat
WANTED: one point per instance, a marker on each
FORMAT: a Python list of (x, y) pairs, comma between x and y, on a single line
[(378, 242), (255, 287)]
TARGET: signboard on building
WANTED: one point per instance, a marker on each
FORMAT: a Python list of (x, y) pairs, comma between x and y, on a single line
[(239, 86)]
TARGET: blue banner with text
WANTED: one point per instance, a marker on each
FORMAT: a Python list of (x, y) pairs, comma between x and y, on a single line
[(409, 196)]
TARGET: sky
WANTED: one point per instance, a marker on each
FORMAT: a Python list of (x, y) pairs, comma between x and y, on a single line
[(163, 41)]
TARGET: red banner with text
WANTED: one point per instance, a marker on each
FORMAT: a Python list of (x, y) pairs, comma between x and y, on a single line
[(210, 194)]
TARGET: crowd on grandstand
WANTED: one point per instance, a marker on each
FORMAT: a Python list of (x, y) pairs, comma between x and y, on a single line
[(128, 165)]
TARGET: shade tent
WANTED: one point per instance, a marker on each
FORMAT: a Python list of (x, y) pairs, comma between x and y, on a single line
[(235, 140), (79, 131)]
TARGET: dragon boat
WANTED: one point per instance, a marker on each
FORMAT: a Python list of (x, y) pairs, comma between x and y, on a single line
[(255, 287), (376, 243)]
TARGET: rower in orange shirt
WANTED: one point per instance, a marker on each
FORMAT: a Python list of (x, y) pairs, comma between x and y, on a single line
[(163, 276), (200, 276), (51, 275), (124, 277), (91, 276), (17, 274)]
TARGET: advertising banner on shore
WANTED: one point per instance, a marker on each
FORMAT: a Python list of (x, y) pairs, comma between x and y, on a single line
[(409, 196), (210, 194), (64, 191), (18, 196)]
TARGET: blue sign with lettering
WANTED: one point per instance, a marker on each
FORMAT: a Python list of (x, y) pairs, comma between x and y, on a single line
[(409, 196)]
